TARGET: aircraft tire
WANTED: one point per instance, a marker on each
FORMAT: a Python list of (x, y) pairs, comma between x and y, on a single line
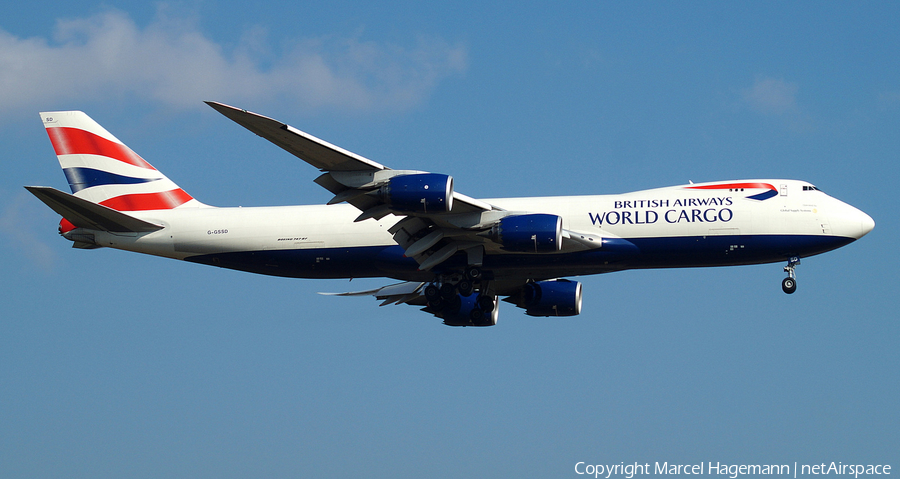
[(453, 306), (789, 285), (473, 273), (486, 303), (437, 304), (432, 293), (448, 291)]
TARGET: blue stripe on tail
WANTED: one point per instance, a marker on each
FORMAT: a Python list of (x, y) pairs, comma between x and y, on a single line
[(81, 178)]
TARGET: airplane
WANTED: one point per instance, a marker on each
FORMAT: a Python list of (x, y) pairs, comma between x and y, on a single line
[(455, 256)]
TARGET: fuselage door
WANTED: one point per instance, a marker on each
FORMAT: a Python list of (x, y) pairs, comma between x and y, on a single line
[(784, 190), (823, 221)]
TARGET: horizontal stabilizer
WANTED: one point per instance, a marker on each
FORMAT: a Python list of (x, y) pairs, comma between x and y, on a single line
[(85, 214)]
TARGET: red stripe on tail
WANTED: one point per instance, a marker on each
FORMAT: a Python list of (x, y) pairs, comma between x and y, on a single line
[(148, 201), (74, 141)]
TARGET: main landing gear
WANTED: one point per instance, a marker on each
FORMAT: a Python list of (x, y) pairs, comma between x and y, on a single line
[(789, 284), (451, 296)]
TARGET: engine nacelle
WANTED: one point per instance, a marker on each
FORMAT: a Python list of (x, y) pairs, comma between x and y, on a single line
[(551, 298), (533, 233), (419, 193)]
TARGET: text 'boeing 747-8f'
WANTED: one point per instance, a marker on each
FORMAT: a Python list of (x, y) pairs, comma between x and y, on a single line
[(454, 256)]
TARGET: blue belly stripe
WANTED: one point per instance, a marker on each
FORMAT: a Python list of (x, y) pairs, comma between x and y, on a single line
[(642, 253)]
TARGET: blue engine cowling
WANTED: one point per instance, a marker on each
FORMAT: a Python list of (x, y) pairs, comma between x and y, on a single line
[(533, 233), (419, 193), (551, 298)]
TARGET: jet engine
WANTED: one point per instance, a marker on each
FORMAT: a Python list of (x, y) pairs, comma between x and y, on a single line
[(419, 193), (532, 233), (550, 298)]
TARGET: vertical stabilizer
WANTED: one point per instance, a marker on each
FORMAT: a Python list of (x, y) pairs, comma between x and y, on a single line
[(101, 169)]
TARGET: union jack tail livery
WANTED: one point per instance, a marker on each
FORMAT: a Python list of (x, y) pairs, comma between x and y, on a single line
[(102, 170)]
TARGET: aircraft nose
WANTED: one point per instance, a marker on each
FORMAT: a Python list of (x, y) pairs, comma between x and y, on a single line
[(850, 222), (856, 223), (867, 224)]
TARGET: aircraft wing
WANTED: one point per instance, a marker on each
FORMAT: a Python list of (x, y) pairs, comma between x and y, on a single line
[(351, 167), (316, 152), (432, 228), (409, 292)]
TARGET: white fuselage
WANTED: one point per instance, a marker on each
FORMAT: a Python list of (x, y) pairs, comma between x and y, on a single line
[(668, 226)]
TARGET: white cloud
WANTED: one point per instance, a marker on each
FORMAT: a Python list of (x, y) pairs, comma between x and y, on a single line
[(172, 62), (770, 96)]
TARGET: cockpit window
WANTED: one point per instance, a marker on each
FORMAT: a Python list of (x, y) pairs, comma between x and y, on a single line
[(810, 188)]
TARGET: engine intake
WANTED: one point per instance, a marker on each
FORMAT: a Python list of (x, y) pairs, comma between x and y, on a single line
[(419, 193), (532, 233), (551, 298)]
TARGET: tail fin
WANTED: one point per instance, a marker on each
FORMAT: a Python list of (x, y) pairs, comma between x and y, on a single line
[(101, 169)]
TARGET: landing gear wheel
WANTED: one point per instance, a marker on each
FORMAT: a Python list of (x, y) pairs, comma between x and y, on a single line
[(433, 296), (465, 287), (432, 292), (473, 273), (476, 315), (453, 306), (486, 303), (448, 291), (789, 285)]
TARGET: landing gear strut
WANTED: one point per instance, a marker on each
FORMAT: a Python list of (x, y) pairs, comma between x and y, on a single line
[(789, 284)]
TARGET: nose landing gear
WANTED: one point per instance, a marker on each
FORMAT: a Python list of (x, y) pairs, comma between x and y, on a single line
[(789, 284)]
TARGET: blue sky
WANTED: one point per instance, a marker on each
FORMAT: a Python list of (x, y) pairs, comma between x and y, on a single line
[(120, 365)]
